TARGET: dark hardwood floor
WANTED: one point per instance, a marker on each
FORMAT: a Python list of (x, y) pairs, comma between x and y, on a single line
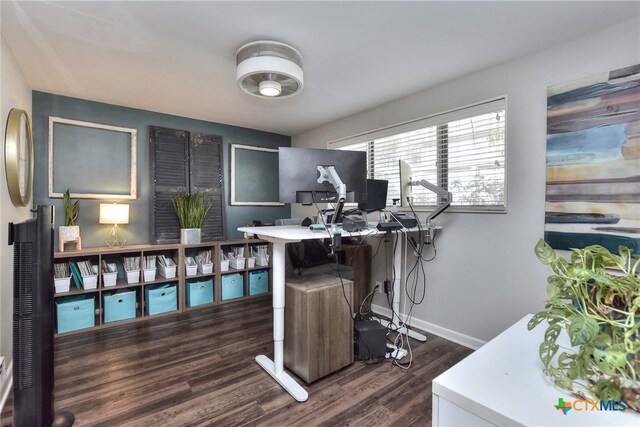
[(198, 369)]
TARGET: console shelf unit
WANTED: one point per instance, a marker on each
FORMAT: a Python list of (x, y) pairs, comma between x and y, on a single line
[(177, 252)]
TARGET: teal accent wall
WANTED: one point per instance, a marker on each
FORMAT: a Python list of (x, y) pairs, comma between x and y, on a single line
[(138, 229)]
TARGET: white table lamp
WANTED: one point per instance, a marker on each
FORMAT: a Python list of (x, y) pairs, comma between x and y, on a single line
[(114, 213)]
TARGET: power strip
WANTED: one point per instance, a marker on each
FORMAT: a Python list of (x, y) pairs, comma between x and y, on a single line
[(389, 226)]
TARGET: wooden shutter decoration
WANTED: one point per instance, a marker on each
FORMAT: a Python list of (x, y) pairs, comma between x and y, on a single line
[(190, 162), (205, 172)]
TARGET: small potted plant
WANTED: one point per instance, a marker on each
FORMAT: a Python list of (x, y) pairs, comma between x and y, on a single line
[(595, 298), (69, 232), (191, 210)]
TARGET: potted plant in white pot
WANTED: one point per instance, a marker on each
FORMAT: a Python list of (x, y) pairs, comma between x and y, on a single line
[(191, 210), (595, 298), (69, 232)]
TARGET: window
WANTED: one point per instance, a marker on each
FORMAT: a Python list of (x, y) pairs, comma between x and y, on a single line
[(462, 151)]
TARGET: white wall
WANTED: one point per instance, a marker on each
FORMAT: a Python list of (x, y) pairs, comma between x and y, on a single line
[(485, 276), (15, 92)]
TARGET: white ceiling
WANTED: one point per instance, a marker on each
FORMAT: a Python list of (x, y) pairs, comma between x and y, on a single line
[(179, 57)]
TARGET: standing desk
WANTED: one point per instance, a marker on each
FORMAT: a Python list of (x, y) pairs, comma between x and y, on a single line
[(279, 236)]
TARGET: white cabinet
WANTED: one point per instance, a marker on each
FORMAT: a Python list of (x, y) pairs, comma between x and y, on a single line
[(502, 384)]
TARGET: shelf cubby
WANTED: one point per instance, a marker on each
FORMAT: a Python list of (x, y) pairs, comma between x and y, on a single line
[(177, 253)]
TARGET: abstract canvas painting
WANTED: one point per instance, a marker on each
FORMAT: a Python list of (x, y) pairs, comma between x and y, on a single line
[(593, 162)]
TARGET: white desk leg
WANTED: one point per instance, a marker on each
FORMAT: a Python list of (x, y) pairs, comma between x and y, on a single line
[(276, 368), (399, 259), (399, 269)]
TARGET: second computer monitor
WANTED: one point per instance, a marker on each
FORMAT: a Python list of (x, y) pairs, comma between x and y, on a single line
[(376, 196), (405, 183)]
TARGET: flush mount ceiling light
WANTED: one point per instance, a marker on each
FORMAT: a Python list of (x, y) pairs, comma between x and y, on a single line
[(269, 69)]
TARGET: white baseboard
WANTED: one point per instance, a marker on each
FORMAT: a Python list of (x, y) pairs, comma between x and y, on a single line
[(448, 334), (6, 382)]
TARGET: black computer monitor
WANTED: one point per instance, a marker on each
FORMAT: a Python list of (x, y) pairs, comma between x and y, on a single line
[(376, 196), (298, 174)]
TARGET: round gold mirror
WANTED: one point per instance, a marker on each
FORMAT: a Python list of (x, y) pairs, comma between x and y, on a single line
[(18, 157)]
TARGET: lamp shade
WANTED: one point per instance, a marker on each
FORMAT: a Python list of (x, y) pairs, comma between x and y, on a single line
[(114, 213)]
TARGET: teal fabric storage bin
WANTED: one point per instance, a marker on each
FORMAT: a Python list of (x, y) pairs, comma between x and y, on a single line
[(199, 292), (75, 312), (161, 299), (258, 282), (232, 286), (119, 306)]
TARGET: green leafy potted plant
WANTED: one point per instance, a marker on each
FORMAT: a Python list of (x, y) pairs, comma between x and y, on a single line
[(595, 297), (191, 210), (70, 232)]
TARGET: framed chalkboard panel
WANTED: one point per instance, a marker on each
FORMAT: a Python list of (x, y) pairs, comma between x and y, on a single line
[(254, 176), (93, 161)]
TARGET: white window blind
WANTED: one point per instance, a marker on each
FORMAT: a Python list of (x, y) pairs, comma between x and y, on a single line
[(462, 151)]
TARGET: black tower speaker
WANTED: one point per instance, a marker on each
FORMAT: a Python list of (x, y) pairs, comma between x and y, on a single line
[(33, 375)]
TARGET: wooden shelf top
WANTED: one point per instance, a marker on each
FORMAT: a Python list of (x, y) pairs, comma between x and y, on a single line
[(117, 250), (102, 250)]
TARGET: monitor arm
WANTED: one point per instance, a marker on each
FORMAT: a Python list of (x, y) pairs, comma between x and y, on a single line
[(328, 173), (445, 202)]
